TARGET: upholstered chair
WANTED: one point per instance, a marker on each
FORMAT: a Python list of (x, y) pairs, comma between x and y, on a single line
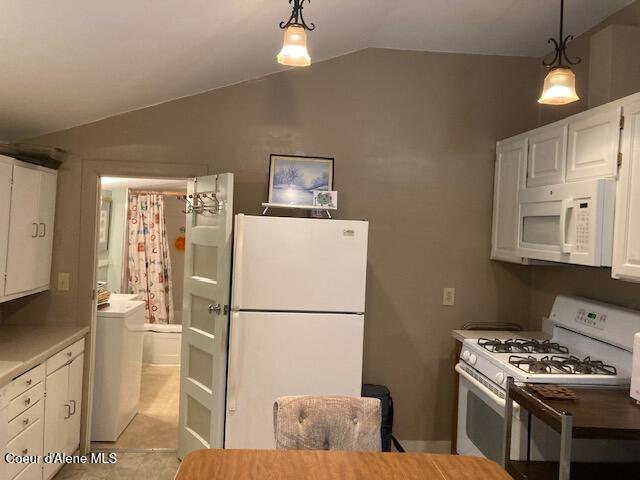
[(327, 423)]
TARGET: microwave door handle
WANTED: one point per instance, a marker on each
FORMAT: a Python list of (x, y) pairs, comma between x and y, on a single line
[(567, 204)]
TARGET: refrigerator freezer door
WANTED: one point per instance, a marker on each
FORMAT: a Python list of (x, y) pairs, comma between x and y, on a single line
[(278, 354), (299, 264)]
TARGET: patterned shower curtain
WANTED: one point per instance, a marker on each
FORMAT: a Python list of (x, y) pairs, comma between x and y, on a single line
[(149, 262)]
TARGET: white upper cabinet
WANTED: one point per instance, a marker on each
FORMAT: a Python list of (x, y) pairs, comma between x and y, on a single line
[(26, 227), (23, 230), (626, 244), (46, 216), (509, 177), (6, 171), (594, 141), (547, 154)]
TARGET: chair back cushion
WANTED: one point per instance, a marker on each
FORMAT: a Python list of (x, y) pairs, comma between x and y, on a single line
[(327, 423)]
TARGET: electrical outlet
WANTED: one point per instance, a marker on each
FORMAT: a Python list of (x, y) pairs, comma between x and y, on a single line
[(449, 297), (63, 281)]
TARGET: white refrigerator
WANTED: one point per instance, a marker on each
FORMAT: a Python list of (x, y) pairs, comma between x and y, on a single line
[(297, 318)]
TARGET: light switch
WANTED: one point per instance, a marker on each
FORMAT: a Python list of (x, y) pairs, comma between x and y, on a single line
[(449, 297), (63, 281)]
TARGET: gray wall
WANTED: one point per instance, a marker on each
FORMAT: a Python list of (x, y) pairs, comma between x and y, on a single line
[(413, 135)]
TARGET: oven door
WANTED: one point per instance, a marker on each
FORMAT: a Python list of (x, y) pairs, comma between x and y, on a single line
[(481, 419)]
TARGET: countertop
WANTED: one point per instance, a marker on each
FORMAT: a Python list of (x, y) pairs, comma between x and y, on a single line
[(22, 347), (499, 334)]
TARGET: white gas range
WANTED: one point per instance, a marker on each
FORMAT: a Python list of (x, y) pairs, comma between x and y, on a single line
[(591, 344)]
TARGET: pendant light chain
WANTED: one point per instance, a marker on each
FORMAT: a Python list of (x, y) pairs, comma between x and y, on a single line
[(297, 19), (560, 46)]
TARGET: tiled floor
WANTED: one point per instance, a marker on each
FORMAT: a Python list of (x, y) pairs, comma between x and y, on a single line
[(130, 466), (156, 424)]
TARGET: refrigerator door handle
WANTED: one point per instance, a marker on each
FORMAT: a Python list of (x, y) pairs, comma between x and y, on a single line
[(238, 253), (234, 358)]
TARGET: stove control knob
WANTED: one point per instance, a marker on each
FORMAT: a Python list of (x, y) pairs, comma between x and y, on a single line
[(499, 378), (472, 359), (466, 355)]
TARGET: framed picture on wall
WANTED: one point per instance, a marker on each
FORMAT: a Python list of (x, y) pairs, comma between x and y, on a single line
[(294, 179), (105, 223)]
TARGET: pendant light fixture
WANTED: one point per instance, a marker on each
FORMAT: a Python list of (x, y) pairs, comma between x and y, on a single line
[(294, 50), (560, 83)]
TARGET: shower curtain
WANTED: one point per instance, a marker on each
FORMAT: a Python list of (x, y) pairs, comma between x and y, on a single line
[(149, 262)]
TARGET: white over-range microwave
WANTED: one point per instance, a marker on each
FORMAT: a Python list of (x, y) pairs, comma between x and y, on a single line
[(568, 223)]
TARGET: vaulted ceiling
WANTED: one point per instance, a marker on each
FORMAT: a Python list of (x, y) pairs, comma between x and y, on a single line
[(66, 63)]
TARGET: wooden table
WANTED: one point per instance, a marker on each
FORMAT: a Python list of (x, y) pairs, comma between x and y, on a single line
[(597, 413), (330, 465)]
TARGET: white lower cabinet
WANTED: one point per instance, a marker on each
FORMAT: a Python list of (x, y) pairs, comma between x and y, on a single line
[(62, 411), (40, 414)]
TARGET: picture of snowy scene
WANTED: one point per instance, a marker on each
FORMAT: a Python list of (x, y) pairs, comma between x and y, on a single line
[(294, 179)]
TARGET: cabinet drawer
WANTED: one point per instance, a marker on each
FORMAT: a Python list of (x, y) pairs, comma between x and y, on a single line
[(64, 356), (25, 420), (25, 400), (32, 472), (25, 381), (28, 442)]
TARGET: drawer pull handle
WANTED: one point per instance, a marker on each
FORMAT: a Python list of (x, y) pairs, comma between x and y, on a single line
[(73, 403), (69, 354), (25, 451), (68, 411), (25, 421), (35, 230), (29, 382), (27, 401)]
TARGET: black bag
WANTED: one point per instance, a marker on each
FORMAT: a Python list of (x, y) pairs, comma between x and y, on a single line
[(386, 431)]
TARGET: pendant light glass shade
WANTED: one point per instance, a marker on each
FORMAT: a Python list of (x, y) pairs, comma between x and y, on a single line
[(559, 87), (294, 51)]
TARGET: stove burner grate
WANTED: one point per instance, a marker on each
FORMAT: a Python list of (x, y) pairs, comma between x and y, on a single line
[(561, 365), (539, 365), (521, 345)]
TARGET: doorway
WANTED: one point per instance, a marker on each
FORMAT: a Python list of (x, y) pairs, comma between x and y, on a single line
[(139, 270)]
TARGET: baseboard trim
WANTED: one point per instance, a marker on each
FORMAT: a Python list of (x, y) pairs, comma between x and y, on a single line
[(426, 446)]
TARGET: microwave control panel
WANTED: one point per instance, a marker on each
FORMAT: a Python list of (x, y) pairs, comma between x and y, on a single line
[(583, 230), (591, 319)]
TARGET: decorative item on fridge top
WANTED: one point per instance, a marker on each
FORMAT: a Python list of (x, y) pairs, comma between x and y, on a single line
[(294, 179), (325, 199)]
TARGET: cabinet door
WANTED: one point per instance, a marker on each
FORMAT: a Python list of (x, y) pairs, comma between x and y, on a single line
[(6, 171), (509, 177), (594, 139), (56, 416), (547, 155), (75, 400), (46, 215), (626, 239), (23, 230)]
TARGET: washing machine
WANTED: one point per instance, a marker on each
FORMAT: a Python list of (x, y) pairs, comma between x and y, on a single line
[(118, 369)]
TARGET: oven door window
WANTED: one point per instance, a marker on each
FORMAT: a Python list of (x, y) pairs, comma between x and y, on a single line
[(484, 427)]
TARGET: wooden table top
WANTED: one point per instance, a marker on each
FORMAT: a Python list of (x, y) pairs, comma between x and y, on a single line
[(332, 465), (598, 412)]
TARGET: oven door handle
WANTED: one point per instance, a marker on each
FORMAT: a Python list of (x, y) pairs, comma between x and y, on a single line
[(495, 398)]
